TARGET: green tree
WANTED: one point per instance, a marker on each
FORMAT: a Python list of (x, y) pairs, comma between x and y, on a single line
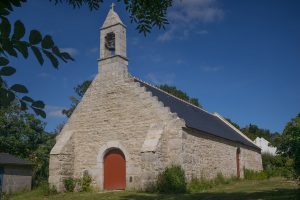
[(146, 14), (290, 142), (180, 94), (233, 123), (252, 131), (23, 135)]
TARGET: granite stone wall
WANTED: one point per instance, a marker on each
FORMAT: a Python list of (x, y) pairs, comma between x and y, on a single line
[(205, 156), (116, 112)]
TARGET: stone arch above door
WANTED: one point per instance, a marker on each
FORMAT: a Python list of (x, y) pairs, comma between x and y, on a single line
[(98, 171), (107, 147)]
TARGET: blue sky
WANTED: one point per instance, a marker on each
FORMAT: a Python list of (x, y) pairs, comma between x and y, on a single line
[(239, 58)]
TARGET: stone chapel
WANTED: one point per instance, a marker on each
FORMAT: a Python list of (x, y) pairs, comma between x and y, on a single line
[(124, 132)]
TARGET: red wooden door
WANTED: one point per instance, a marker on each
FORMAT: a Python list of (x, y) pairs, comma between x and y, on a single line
[(114, 170)]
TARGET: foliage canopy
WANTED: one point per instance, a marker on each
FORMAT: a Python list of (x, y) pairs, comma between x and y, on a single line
[(180, 94), (290, 142), (23, 135)]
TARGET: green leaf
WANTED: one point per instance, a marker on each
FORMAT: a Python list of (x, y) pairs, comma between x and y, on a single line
[(22, 47), (3, 61), (19, 88), (16, 3), (7, 71), (6, 4), (52, 58), (56, 51), (38, 54), (35, 37), (28, 99), (7, 46), (38, 104), (67, 56), (47, 42), (19, 30), (39, 112), (4, 12), (6, 97), (23, 105), (5, 28)]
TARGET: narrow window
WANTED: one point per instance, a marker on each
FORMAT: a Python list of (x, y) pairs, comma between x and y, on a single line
[(238, 153)]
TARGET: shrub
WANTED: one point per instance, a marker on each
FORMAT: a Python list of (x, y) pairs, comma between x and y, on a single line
[(278, 166), (47, 189), (69, 184), (220, 179), (254, 175), (172, 180), (198, 185), (85, 182)]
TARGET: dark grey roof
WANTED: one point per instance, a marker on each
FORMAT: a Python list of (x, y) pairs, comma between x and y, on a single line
[(8, 159), (197, 118)]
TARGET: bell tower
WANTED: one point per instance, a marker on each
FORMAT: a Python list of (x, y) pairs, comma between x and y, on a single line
[(113, 60)]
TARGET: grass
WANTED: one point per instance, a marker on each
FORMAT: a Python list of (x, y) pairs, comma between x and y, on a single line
[(274, 188)]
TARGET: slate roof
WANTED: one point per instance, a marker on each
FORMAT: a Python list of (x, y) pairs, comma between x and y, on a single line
[(197, 118), (8, 159)]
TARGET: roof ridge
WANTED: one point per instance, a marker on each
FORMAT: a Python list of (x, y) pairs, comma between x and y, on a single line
[(172, 95), (234, 128)]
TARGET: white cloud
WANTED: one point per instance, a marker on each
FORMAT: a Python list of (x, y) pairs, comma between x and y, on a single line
[(71, 51), (166, 36), (180, 61), (211, 68), (185, 15), (134, 40), (155, 58), (158, 79), (93, 50), (54, 111), (187, 11), (65, 82), (202, 32), (43, 75)]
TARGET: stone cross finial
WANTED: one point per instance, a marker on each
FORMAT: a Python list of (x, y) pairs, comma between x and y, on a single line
[(112, 6)]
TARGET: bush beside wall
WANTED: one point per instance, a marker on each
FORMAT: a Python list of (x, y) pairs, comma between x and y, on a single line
[(278, 166), (172, 180), (202, 184)]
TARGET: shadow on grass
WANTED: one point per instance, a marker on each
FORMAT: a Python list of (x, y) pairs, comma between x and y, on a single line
[(290, 194)]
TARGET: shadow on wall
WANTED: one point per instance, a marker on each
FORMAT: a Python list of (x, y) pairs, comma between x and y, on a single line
[(290, 194)]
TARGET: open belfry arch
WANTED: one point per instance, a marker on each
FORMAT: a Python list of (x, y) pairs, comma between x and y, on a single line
[(124, 131)]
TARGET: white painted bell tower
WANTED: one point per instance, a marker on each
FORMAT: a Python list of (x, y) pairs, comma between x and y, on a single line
[(113, 60)]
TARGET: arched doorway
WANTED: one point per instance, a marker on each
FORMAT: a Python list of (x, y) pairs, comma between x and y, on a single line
[(114, 170), (238, 152)]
